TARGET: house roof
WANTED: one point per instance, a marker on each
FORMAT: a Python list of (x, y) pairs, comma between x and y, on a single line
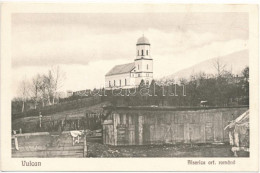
[(120, 69)]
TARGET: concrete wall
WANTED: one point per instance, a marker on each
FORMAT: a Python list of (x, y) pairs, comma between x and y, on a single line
[(134, 126)]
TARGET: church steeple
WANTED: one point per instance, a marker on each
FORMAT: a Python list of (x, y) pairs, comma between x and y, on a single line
[(143, 61), (143, 48)]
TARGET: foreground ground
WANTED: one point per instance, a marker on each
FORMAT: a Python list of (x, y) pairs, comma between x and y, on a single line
[(184, 150)]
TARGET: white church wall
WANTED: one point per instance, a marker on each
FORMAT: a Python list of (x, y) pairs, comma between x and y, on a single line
[(141, 65), (144, 48), (117, 78)]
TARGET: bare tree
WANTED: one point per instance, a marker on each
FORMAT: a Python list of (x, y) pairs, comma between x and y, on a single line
[(48, 87), (24, 92), (52, 82), (58, 77), (219, 66), (43, 90), (36, 92)]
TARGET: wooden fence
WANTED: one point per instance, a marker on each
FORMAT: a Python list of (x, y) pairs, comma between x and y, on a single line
[(136, 126), (47, 145)]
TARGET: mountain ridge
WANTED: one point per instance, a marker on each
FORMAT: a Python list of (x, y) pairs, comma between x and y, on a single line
[(235, 62)]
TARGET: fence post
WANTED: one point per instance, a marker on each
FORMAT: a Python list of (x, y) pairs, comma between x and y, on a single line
[(85, 150), (40, 118)]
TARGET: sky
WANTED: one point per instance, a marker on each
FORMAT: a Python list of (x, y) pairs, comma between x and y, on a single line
[(87, 45)]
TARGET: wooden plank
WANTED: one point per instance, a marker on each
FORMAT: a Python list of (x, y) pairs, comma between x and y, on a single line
[(173, 132), (218, 127), (107, 134), (53, 152), (179, 132), (209, 132), (152, 134), (226, 118), (146, 134), (187, 131), (45, 148), (116, 121), (122, 117), (104, 134), (203, 118), (85, 149), (202, 133), (131, 134), (209, 117), (156, 133), (48, 154), (140, 129), (167, 134), (195, 133), (136, 119), (179, 118), (111, 135), (130, 119), (121, 134)]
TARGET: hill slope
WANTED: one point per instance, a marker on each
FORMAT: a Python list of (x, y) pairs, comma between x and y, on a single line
[(236, 61)]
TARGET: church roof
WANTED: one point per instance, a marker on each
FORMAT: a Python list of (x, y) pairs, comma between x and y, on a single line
[(120, 69), (143, 40)]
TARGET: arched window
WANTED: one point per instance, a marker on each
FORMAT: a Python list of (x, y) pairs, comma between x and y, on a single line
[(142, 52), (125, 82), (146, 52), (147, 82)]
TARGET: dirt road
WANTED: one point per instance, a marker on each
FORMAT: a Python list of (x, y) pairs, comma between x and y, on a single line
[(181, 150)]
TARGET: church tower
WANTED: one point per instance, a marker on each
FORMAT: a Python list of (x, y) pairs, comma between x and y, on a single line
[(143, 61)]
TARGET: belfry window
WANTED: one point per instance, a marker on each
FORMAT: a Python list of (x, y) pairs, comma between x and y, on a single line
[(138, 52), (109, 83), (125, 82), (146, 52), (147, 66), (120, 82), (114, 83), (142, 52), (138, 66)]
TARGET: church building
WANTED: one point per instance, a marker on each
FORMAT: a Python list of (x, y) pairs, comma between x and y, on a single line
[(131, 74)]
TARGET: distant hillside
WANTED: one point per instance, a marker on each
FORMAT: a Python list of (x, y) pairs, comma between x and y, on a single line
[(236, 61)]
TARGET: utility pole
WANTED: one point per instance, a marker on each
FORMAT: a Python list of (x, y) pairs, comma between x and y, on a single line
[(40, 118)]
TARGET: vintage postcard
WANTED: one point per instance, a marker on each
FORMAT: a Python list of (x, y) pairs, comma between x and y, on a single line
[(129, 87)]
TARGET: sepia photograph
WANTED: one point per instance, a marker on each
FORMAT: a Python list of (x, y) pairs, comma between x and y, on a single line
[(132, 84)]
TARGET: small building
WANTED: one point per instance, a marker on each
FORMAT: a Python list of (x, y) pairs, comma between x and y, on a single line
[(69, 93), (238, 130), (131, 74), (165, 125)]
